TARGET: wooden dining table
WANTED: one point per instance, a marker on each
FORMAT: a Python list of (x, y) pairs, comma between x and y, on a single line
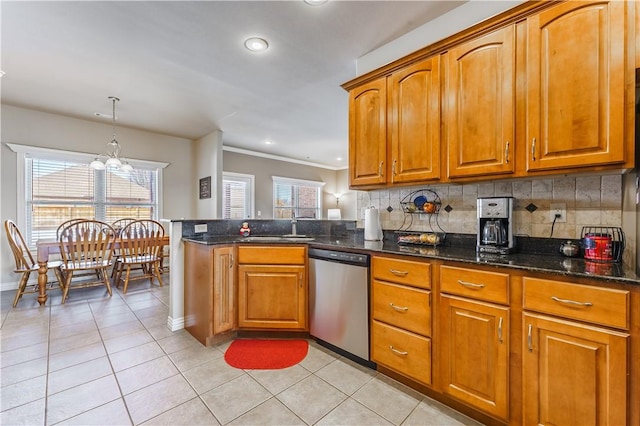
[(46, 248)]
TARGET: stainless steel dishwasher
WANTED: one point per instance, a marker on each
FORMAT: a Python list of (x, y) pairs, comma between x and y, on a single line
[(339, 302)]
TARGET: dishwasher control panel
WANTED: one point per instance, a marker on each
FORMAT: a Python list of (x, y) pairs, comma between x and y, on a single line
[(339, 256)]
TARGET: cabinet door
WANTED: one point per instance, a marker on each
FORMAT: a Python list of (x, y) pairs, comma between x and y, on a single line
[(223, 290), (368, 134), (575, 85), (198, 291), (480, 115), (573, 374), (475, 353), (414, 114), (272, 296)]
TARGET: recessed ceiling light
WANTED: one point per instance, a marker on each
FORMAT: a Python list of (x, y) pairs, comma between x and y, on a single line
[(2, 73), (256, 44), (268, 142), (315, 2), (339, 158)]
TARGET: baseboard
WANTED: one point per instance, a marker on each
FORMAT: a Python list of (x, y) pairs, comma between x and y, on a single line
[(10, 285), (175, 324)]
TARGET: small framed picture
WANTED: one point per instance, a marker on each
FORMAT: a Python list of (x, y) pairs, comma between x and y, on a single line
[(205, 187)]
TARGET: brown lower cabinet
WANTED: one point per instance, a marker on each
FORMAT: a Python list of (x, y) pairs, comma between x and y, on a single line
[(509, 346), (574, 374), (575, 357), (272, 287), (475, 353), (209, 290)]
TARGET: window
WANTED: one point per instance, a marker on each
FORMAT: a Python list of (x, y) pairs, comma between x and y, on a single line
[(294, 196), (237, 195), (60, 185)]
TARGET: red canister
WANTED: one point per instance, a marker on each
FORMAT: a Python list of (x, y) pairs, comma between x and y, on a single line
[(598, 247)]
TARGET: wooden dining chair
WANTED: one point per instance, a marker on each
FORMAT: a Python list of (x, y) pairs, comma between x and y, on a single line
[(26, 264), (67, 223), (86, 246), (141, 244), (118, 225)]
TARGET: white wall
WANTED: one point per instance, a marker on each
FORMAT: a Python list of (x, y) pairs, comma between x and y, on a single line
[(35, 128), (263, 169), (460, 18), (207, 161)]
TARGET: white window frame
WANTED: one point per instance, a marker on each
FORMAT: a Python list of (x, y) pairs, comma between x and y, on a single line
[(250, 196), (25, 151), (299, 182)]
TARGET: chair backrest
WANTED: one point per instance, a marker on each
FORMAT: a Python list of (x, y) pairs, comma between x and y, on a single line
[(142, 238), (67, 223), (88, 241), (119, 224), (21, 253)]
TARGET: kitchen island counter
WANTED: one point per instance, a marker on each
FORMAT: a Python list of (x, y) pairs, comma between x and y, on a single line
[(541, 263)]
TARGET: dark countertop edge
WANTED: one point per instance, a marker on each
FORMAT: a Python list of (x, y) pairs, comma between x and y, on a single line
[(518, 261)]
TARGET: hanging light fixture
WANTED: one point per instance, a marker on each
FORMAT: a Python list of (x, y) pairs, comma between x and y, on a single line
[(112, 156)]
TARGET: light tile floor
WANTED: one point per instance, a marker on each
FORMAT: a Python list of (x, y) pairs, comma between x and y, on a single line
[(100, 360)]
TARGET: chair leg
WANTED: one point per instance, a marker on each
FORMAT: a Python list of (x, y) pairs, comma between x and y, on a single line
[(103, 272), (118, 268), (126, 280), (60, 278), (67, 284), (158, 272), (21, 286)]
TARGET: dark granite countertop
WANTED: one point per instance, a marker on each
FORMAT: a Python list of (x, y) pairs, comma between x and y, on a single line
[(534, 262)]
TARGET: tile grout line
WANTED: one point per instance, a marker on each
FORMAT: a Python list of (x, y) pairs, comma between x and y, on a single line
[(115, 377)]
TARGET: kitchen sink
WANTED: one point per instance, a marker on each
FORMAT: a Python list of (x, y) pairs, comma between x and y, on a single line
[(277, 238)]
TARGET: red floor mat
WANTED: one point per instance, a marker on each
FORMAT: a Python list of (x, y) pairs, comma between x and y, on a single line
[(265, 354)]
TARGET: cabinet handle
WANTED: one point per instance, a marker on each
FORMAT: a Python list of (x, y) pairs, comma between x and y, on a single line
[(506, 152), (470, 285), (533, 149), (395, 351), (399, 308), (530, 338), (399, 273), (571, 302), (230, 261), (393, 167), (380, 172), (500, 330)]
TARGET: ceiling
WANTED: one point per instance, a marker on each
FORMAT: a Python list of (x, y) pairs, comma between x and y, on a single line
[(180, 68)]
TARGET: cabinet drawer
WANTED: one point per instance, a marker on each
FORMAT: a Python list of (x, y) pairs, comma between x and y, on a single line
[(596, 305), (474, 283), (271, 255), (402, 351), (416, 274), (402, 306)]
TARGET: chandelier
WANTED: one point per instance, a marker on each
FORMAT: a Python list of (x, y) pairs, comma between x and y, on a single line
[(112, 156)]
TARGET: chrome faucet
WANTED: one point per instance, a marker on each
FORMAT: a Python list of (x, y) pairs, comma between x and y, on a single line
[(294, 223)]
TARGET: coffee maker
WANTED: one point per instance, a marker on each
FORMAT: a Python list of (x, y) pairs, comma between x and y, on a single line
[(495, 225)]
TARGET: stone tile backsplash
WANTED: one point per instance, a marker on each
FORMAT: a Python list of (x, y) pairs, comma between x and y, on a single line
[(590, 201)]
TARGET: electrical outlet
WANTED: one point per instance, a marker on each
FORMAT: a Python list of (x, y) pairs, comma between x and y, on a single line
[(558, 209), (200, 228)]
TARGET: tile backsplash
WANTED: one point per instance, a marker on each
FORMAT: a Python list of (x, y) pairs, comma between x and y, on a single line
[(590, 201)]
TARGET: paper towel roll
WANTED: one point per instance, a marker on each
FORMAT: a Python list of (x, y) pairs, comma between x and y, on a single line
[(372, 229)]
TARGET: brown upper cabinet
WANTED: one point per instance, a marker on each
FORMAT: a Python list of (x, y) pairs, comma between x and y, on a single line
[(368, 134), (480, 105), (394, 126), (576, 85), (545, 88), (415, 122)]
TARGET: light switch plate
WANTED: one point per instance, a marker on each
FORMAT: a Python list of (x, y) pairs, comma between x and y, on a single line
[(200, 228)]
